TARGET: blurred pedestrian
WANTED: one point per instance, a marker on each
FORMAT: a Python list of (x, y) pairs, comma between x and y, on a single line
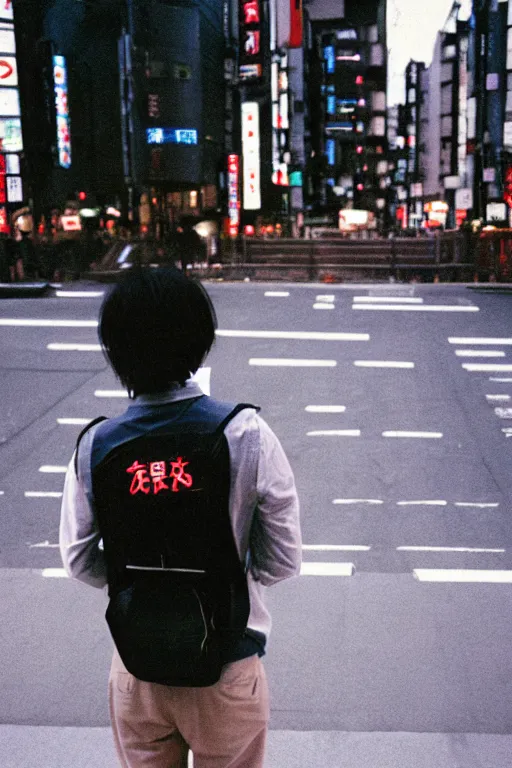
[(194, 502)]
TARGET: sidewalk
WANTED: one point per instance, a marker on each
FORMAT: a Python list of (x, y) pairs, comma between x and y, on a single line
[(32, 747)]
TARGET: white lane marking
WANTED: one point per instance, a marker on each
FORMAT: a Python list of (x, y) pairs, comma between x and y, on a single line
[(423, 502), (277, 294), (477, 340), (469, 550), (62, 347), (357, 501), (329, 298), (79, 294), (478, 353), (507, 431), (325, 408), (334, 433), (497, 398), (33, 323), (503, 413), (417, 308), (43, 494), (2, 493), (327, 569), (493, 378), (395, 433), (52, 469), (291, 362), (477, 505), (463, 576), (382, 364), (486, 367), (74, 421), (322, 305), (335, 548), (43, 545), (299, 335), (385, 300), (54, 573), (110, 393)]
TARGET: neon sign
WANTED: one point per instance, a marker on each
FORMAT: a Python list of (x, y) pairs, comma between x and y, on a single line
[(171, 135), (60, 80), (251, 56), (251, 152), (233, 194)]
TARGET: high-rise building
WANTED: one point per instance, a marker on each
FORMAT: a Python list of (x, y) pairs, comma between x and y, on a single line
[(351, 145)]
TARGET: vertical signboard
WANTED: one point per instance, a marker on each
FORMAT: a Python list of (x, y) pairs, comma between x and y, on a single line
[(233, 194), (251, 53), (251, 156), (60, 85), (295, 24), (11, 141)]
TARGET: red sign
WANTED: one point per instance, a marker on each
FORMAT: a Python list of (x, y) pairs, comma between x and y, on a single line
[(295, 24), (6, 69), (507, 187), (233, 194), (4, 224)]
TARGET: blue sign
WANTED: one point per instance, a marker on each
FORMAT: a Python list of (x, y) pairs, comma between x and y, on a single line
[(330, 146), (171, 135), (330, 59), (331, 105)]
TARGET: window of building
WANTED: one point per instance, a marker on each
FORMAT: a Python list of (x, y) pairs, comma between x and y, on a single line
[(446, 126), (411, 96), (378, 126), (509, 48), (449, 52), (373, 33), (377, 55), (446, 100), (378, 101), (446, 72)]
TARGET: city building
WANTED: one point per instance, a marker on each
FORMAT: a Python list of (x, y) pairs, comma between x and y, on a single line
[(125, 103), (350, 144)]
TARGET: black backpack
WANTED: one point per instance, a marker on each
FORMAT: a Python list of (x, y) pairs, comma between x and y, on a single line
[(179, 600)]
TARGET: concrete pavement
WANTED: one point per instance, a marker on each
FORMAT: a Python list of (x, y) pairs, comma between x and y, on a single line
[(49, 747)]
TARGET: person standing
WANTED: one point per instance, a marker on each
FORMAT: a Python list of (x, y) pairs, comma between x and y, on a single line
[(126, 488)]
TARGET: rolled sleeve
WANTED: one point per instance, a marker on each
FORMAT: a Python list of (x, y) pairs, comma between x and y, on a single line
[(79, 535), (276, 545)]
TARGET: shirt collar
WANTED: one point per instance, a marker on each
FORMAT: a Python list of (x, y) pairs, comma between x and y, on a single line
[(172, 395)]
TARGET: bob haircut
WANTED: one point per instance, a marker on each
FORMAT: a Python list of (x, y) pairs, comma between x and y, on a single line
[(156, 327)]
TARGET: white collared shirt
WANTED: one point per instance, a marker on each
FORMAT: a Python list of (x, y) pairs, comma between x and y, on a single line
[(263, 506)]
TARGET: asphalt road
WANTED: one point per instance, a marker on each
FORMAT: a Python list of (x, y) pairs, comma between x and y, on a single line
[(401, 621)]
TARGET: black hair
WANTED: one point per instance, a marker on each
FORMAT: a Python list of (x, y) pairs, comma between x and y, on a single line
[(156, 327)]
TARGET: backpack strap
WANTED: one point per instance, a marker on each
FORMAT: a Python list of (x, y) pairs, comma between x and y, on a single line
[(86, 429), (231, 415)]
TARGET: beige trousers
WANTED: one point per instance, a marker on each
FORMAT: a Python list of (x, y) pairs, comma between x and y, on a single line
[(224, 725)]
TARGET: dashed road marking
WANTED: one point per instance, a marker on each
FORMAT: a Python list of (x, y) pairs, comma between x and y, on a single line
[(323, 305), (486, 367), (327, 569), (298, 335), (399, 433), (335, 548), (423, 503), (503, 413), (477, 340), (43, 494), (462, 575), (386, 300), (79, 294), (52, 469), (417, 307), (479, 353), (465, 550), (35, 323), (325, 408), (73, 421), (65, 347), (358, 501), (334, 433), (277, 294), (382, 364), (284, 362)]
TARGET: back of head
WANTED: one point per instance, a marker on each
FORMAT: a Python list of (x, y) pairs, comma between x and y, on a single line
[(156, 328)]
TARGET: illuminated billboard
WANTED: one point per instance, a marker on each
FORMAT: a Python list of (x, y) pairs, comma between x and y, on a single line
[(251, 156), (171, 136), (250, 43), (295, 24), (60, 86), (233, 194)]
